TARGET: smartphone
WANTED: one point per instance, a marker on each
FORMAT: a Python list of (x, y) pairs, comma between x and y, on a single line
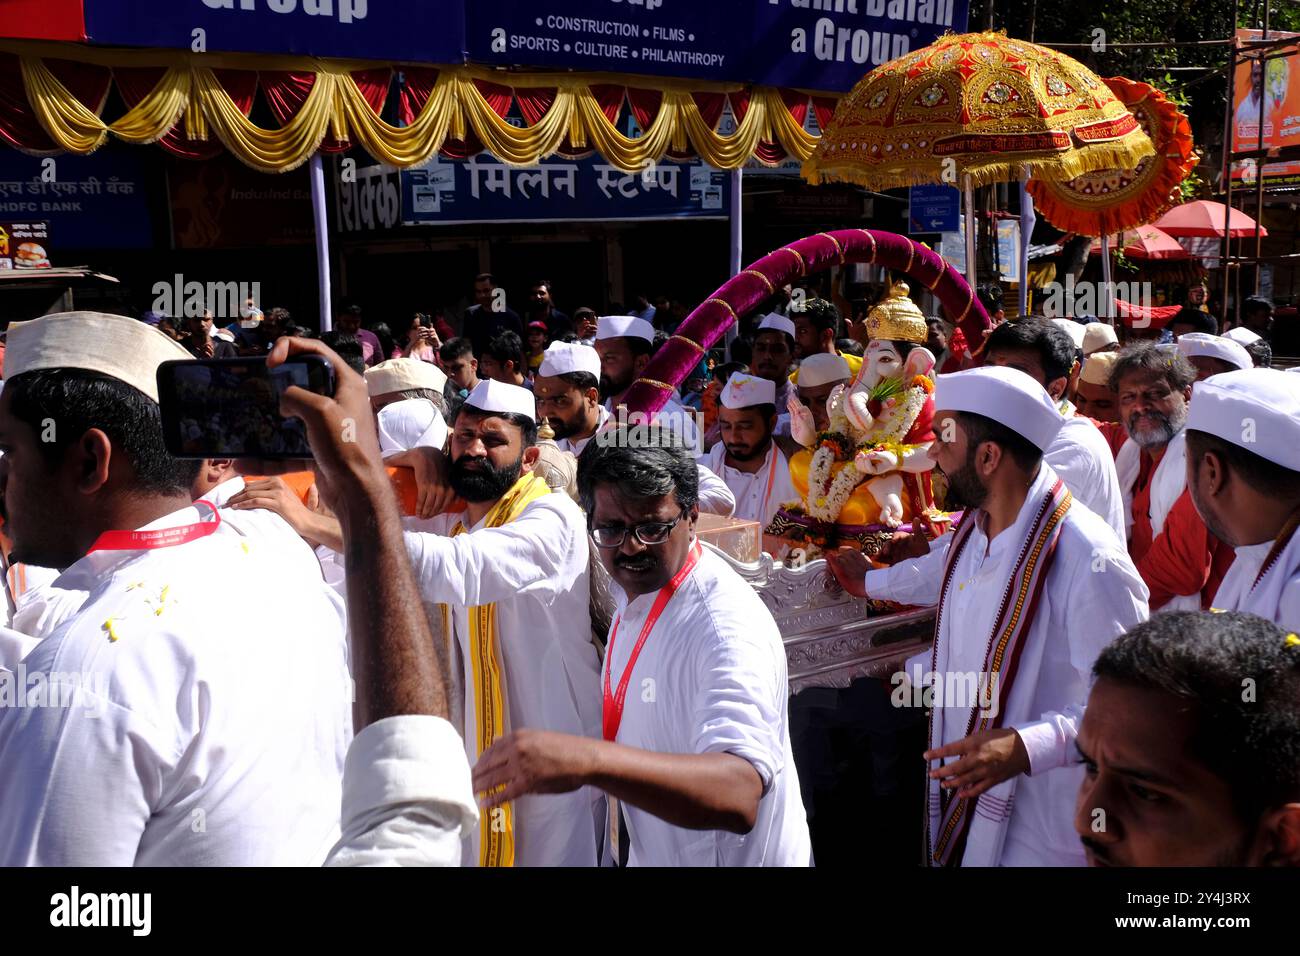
[(230, 408)]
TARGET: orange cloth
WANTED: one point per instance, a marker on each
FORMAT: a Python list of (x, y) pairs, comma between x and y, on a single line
[(403, 483), (1141, 534), (1113, 432), (1184, 558)]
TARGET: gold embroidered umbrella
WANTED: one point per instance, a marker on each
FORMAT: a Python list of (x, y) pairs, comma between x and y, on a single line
[(977, 105), (1113, 200)]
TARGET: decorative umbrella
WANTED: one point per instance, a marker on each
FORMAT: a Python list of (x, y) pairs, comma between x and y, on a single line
[(1147, 242), (992, 104), (982, 106), (1205, 218), (1111, 200)]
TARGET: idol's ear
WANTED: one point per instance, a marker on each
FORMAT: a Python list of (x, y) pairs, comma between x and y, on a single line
[(919, 362)]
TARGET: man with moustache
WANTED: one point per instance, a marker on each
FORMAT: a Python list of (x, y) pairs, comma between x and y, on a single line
[(1032, 589), (773, 352), (1181, 561), (567, 387), (748, 458), (696, 746), (625, 344), (511, 574), (1181, 767), (1243, 473)]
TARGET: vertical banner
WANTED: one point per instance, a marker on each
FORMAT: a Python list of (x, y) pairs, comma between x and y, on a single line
[(1275, 85)]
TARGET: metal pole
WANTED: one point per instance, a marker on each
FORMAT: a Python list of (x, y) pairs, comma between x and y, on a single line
[(321, 219), (735, 261), (1229, 134), (970, 235), (1261, 161), (1106, 300), (1027, 220)]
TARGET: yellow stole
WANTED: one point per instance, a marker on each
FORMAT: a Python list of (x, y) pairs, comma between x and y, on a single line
[(496, 827)]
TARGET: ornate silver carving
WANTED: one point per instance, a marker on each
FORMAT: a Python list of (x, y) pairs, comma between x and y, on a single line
[(831, 637)]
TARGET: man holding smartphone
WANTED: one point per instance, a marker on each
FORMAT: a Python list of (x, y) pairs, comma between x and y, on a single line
[(188, 730)]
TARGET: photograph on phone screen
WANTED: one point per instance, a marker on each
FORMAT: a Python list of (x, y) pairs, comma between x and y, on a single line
[(235, 410)]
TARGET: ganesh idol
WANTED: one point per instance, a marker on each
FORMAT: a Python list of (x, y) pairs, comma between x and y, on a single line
[(869, 473)]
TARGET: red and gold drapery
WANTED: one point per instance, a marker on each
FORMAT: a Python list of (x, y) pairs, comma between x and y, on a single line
[(196, 104)]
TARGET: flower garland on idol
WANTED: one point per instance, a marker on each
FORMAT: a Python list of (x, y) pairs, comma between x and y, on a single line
[(827, 494)]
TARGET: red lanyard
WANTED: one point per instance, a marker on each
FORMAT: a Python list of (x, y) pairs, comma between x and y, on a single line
[(159, 537), (1279, 545), (612, 704)]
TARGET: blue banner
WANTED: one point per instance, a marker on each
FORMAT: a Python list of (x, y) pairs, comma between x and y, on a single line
[(809, 44), (425, 31), (933, 208), (482, 189), (91, 202)]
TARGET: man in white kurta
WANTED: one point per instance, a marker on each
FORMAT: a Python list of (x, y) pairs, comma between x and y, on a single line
[(191, 728), (1246, 424), (748, 458), (1091, 594), (696, 741), (719, 675), (534, 570)]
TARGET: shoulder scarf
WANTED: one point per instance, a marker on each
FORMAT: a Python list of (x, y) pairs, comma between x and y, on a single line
[(496, 831), (948, 820)]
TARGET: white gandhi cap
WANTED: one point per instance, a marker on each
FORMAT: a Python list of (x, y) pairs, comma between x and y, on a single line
[(774, 320), (402, 374), (1257, 409), (563, 358), (1005, 395), (822, 368), (498, 398), (1097, 335), (1242, 335), (745, 391), (1204, 345), (113, 345), (623, 326)]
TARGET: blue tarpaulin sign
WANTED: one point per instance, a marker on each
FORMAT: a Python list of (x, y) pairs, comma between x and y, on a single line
[(483, 189), (428, 31), (933, 208)]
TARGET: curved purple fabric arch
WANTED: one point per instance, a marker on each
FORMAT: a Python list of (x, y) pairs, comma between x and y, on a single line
[(744, 292)]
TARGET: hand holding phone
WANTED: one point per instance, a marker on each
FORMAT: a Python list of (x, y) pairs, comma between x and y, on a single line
[(231, 408)]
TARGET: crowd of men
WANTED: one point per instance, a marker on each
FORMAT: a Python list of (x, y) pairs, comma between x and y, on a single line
[(220, 662)]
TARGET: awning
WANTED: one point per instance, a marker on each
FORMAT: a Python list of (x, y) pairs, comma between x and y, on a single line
[(193, 104)]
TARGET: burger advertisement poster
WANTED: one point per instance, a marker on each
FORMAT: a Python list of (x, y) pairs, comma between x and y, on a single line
[(24, 245)]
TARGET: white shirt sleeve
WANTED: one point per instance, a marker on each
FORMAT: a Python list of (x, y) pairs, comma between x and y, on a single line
[(539, 553), (715, 497), (916, 581), (407, 797), (740, 706), (1107, 598)]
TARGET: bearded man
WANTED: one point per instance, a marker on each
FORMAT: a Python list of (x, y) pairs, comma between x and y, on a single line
[(510, 574)]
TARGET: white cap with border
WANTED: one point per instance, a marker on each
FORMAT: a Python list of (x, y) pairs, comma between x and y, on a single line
[(498, 398), (1005, 395), (745, 391), (564, 358), (624, 326), (1257, 409)]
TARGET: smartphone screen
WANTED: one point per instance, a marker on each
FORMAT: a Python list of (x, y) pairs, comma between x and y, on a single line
[(230, 408)]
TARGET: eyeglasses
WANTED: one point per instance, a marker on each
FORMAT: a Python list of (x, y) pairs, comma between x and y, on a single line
[(651, 532)]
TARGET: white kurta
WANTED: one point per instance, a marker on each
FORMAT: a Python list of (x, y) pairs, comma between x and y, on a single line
[(535, 570), (758, 494), (711, 678), (1276, 597), (1092, 595), (1080, 455), (212, 731)]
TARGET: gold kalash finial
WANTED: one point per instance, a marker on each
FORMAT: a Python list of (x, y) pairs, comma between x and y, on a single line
[(897, 317)]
